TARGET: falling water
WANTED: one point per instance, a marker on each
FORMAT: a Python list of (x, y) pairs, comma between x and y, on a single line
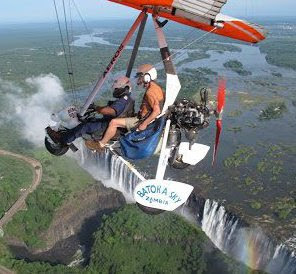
[(228, 232)]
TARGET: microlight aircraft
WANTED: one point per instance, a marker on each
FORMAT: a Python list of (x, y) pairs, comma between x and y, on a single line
[(179, 119)]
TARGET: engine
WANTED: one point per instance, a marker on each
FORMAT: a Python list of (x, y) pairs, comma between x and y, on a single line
[(187, 118)]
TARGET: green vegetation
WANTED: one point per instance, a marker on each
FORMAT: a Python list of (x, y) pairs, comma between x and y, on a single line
[(249, 101), (196, 55), (130, 241), (190, 85), (206, 71), (61, 179), (249, 184), (237, 67), (133, 242), (274, 110), (240, 156), (15, 175), (193, 80), (11, 138), (249, 181), (280, 51), (205, 177), (283, 207), (272, 163), (21, 58), (27, 225), (22, 267), (255, 204)]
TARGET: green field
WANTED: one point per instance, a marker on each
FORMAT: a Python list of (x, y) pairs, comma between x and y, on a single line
[(130, 241), (15, 175), (62, 178)]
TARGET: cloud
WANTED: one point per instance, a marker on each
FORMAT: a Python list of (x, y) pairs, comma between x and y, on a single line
[(34, 111)]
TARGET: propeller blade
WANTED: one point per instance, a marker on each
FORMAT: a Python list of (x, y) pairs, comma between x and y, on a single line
[(220, 106), (217, 140), (221, 95)]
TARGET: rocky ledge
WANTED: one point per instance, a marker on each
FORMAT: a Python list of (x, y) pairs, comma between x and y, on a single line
[(72, 225)]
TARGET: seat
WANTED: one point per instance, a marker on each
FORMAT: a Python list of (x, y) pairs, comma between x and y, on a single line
[(142, 144)]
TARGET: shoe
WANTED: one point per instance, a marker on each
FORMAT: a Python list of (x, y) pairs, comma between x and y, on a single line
[(54, 135), (94, 145)]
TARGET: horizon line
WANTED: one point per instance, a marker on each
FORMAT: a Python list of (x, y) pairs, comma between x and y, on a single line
[(6, 22)]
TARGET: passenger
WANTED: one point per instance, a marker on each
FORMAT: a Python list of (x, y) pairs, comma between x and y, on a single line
[(123, 105), (150, 108)]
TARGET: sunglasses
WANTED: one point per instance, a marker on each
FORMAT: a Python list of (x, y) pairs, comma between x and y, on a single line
[(139, 74)]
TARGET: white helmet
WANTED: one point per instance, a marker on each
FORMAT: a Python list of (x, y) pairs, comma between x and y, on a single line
[(148, 72), (122, 82), (121, 86)]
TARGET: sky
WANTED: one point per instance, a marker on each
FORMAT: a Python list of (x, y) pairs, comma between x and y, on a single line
[(43, 10)]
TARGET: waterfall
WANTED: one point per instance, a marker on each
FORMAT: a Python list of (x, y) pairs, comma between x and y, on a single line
[(243, 242), (110, 170), (227, 231)]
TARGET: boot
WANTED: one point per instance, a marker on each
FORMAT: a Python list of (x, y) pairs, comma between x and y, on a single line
[(94, 145), (56, 136)]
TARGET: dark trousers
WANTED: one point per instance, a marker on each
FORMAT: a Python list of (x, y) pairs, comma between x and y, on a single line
[(84, 128)]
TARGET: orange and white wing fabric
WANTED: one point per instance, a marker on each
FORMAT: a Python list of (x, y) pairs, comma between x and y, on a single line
[(201, 14)]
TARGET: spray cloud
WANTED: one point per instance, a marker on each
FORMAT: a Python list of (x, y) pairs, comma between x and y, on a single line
[(33, 111)]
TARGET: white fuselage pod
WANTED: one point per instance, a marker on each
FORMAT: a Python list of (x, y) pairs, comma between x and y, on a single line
[(66, 118), (162, 194)]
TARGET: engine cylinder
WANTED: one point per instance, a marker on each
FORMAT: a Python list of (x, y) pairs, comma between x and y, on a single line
[(174, 137)]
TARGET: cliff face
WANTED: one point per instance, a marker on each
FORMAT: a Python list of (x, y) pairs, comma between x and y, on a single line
[(70, 218), (72, 225)]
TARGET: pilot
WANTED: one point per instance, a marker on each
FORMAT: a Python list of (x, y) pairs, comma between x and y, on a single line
[(122, 106), (150, 108)]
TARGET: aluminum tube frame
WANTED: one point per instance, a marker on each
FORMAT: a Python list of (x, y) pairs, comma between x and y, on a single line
[(173, 85), (136, 47), (113, 61), (164, 153)]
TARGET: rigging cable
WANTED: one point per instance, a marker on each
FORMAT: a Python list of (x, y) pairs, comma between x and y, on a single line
[(87, 31), (186, 46), (82, 20), (72, 50), (70, 72)]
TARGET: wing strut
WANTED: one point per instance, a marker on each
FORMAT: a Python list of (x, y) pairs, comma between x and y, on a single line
[(173, 85), (136, 46), (113, 61)]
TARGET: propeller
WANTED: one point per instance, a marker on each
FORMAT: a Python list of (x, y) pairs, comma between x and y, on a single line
[(219, 111)]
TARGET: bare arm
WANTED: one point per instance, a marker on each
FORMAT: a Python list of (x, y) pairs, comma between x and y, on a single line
[(155, 112), (106, 111)]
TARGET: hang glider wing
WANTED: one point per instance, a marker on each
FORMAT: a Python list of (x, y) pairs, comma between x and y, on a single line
[(201, 14)]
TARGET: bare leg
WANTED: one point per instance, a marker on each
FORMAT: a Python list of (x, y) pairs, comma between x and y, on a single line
[(111, 130)]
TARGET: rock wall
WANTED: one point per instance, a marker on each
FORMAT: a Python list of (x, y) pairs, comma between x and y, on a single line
[(70, 218), (72, 225)]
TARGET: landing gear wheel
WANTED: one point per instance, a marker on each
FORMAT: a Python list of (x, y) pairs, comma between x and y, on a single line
[(150, 210), (55, 149), (179, 164), (175, 160)]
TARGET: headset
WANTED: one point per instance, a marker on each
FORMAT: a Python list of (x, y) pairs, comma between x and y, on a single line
[(147, 78)]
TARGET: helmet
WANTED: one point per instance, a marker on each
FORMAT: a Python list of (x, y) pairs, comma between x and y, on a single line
[(148, 72), (121, 86)]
